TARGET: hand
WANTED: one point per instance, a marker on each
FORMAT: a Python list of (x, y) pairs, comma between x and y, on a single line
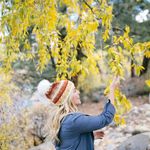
[(98, 134), (115, 83)]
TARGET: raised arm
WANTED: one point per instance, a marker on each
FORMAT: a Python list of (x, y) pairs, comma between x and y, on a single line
[(85, 123)]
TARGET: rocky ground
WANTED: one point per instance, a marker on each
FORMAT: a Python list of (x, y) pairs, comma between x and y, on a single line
[(125, 137)]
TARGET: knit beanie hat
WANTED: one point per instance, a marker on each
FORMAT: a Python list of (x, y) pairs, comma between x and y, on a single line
[(58, 92)]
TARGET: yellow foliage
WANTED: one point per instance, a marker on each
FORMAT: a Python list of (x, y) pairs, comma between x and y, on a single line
[(147, 82), (147, 54), (122, 105), (138, 69), (13, 133), (119, 120), (6, 87), (47, 20)]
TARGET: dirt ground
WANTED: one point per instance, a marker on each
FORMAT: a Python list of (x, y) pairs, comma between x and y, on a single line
[(95, 108)]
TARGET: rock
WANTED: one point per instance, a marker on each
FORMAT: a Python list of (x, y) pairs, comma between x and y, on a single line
[(29, 128), (137, 142), (44, 146), (141, 129), (137, 123), (128, 129), (148, 147), (134, 86)]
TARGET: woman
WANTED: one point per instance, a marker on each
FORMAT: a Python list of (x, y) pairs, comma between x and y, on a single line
[(69, 129)]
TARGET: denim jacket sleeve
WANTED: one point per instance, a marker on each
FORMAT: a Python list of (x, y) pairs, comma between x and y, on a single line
[(84, 123)]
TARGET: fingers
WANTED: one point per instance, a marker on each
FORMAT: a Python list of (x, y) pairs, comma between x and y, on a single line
[(99, 134)]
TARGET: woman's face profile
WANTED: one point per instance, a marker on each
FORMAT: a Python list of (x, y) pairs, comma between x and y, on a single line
[(76, 97)]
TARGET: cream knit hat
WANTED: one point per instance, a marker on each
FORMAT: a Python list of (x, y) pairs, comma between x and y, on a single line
[(58, 92)]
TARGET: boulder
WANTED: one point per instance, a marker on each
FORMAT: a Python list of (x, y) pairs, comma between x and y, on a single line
[(136, 142)]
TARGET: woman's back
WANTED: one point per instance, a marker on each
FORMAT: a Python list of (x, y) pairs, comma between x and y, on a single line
[(71, 138)]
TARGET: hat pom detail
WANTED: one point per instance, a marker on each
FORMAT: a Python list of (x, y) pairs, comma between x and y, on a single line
[(43, 87)]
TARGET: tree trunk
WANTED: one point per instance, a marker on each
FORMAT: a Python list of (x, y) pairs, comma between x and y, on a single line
[(145, 64), (132, 70)]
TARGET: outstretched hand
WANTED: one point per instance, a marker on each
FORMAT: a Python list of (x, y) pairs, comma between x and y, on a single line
[(98, 134)]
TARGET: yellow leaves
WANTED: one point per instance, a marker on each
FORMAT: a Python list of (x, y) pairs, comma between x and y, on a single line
[(124, 39), (106, 91), (106, 35), (30, 2), (138, 69), (6, 87), (51, 18), (115, 40), (122, 105), (92, 26), (11, 133), (16, 1), (117, 70), (147, 54), (29, 56), (76, 67), (139, 48), (26, 14), (62, 66), (127, 42), (46, 18), (72, 35), (43, 58), (80, 37), (89, 78), (122, 49), (127, 29), (119, 120), (106, 17), (115, 60), (147, 82)]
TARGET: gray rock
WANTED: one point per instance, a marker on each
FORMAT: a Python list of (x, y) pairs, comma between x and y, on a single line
[(148, 147), (137, 142)]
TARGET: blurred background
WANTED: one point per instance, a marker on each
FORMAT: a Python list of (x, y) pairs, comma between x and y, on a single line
[(91, 74)]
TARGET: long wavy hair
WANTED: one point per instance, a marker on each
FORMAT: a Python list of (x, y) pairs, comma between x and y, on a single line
[(56, 116)]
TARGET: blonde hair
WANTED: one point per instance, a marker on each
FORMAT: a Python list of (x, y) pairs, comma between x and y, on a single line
[(56, 116)]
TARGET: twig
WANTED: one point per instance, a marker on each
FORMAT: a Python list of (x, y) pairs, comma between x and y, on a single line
[(88, 6), (52, 59)]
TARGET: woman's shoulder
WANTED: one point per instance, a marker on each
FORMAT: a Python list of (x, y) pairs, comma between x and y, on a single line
[(72, 116)]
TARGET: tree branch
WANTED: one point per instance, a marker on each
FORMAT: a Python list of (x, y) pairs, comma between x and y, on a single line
[(123, 30), (52, 59), (88, 6)]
